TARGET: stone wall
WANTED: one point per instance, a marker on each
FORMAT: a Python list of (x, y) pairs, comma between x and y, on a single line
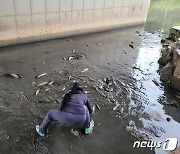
[(170, 59), (24, 21)]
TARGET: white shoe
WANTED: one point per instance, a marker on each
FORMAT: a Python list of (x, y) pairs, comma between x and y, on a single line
[(39, 132)]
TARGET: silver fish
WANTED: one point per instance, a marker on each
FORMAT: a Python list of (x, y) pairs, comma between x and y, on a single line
[(51, 82), (37, 92), (41, 75), (86, 69)]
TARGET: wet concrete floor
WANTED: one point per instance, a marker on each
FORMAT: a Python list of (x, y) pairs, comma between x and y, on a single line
[(131, 106)]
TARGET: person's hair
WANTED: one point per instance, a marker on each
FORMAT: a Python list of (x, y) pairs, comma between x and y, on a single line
[(79, 85)]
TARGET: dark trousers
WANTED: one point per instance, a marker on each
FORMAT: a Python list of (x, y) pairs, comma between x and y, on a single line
[(64, 117)]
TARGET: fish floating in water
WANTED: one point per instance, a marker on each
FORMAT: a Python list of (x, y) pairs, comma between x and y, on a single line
[(14, 75), (47, 89), (51, 82), (37, 92), (86, 69), (42, 84), (41, 75)]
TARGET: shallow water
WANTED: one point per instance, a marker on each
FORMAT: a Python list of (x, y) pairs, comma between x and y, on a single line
[(132, 96)]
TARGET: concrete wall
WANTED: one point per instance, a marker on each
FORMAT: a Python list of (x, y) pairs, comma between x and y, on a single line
[(31, 20)]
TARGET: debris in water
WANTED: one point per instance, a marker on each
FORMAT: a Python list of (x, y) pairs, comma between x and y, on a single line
[(155, 82), (150, 64), (134, 67), (41, 75), (13, 75), (20, 61), (177, 96), (42, 84), (64, 58), (69, 40), (108, 80), (125, 52), (121, 110), (73, 50), (47, 52), (35, 70), (37, 92), (173, 103), (75, 132), (108, 63), (168, 119), (99, 43), (132, 42), (131, 46), (97, 106), (99, 124), (86, 69), (87, 45)]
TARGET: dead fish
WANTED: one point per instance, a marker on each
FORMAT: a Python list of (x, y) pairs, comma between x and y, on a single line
[(86, 69), (63, 88), (20, 61), (155, 82), (35, 70), (97, 106), (93, 108), (70, 77), (86, 92), (17, 76), (70, 58), (131, 46), (47, 89), (41, 75), (42, 84), (73, 50), (37, 92), (117, 105), (75, 132), (34, 83), (50, 83)]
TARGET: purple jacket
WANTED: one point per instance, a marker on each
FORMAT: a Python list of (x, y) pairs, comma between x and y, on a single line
[(75, 102)]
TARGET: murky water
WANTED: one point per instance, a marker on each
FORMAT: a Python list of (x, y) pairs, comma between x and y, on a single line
[(130, 109)]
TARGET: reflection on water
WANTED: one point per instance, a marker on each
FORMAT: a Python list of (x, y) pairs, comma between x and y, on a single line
[(163, 15), (148, 56)]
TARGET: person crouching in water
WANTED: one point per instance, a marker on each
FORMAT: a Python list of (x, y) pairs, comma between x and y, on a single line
[(75, 109)]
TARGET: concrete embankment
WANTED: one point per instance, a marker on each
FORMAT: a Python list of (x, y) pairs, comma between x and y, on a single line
[(32, 20), (170, 59)]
